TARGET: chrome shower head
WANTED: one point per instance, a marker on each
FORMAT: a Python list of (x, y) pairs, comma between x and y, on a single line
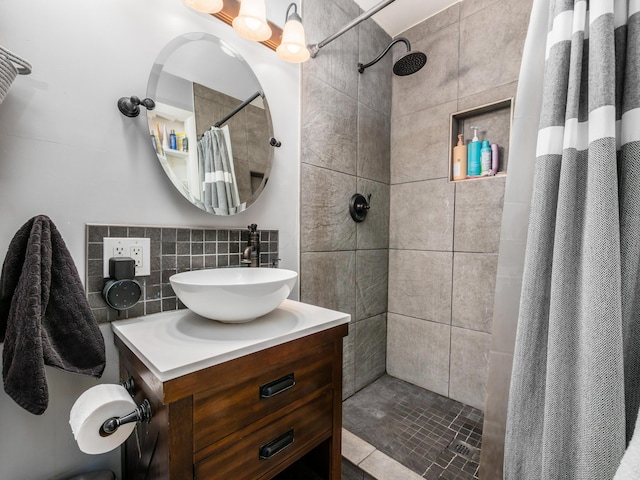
[(408, 64)]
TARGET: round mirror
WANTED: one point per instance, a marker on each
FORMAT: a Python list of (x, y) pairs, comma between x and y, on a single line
[(211, 128)]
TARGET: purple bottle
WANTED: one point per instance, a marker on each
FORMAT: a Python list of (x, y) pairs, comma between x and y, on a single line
[(495, 158)]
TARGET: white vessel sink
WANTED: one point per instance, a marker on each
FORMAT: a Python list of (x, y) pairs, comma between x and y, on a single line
[(233, 295)]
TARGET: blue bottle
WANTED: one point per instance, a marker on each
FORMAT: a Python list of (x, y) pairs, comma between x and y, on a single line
[(473, 155), (173, 142), (485, 158)]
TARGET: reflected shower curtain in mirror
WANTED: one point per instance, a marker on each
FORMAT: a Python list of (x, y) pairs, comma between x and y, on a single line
[(575, 383), (217, 173)]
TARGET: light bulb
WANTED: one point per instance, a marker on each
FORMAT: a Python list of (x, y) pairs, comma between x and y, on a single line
[(293, 47), (205, 6), (251, 22)]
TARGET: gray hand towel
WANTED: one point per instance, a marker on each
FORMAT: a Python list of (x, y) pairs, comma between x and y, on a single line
[(45, 318)]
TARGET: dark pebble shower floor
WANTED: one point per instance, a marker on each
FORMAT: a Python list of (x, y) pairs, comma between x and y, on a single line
[(432, 435)]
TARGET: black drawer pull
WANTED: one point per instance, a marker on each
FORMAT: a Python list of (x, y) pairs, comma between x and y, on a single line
[(276, 446), (272, 389)]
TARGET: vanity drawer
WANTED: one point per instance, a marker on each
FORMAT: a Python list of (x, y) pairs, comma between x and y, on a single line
[(261, 390), (252, 456)]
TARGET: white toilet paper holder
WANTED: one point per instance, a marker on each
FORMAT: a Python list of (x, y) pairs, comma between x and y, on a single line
[(142, 413)]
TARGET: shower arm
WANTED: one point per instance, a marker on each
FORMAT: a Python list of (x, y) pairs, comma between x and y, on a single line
[(362, 67), (314, 49)]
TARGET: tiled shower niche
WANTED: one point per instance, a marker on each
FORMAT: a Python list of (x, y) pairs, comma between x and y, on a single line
[(173, 250)]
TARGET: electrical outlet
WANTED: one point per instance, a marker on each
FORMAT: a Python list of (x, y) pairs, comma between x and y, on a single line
[(137, 248), (136, 253)]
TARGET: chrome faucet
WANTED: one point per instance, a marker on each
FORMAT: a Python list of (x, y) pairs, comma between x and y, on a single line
[(251, 253)]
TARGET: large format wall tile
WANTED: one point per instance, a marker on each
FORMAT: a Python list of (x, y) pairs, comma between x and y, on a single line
[(325, 223), (469, 7), (421, 216), (329, 127), (349, 363), (478, 219), (372, 274), (469, 366), (501, 92), (437, 82), (336, 63), (474, 286), (374, 144), (420, 144), (485, 65), (450, 16), (374, 85), (371, 346), (418, 352), (373, 232), (420, 284), (328, 279)]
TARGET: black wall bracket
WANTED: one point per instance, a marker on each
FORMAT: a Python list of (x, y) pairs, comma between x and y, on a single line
[(359, 207)]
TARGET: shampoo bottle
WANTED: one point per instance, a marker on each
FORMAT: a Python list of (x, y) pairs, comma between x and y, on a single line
[(460, 159), (473, 155), (165, 138), (485, 158), (173, 141)]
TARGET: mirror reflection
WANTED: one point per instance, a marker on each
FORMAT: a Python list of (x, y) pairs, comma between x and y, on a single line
[(211, 126)]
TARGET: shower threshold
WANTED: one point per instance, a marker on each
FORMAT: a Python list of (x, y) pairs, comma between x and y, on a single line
[(393, 429)]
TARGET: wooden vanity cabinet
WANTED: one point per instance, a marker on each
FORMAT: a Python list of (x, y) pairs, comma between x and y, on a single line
[(267, 415)]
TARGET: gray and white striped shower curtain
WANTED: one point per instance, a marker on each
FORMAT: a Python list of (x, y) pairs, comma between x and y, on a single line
[(575, 387), (217, 173)]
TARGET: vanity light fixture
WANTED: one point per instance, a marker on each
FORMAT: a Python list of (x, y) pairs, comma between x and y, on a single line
[(293, 47), (251, 22), (204, 6)]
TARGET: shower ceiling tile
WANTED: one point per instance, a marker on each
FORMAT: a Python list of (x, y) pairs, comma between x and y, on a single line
[(402, 14)]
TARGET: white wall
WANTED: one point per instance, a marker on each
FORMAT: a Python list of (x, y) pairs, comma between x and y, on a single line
[(67, 152)]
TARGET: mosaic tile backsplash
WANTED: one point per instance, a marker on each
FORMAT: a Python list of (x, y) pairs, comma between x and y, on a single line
[(173, 250)]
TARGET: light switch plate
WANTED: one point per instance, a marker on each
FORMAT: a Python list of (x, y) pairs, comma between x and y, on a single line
[(122, 247)]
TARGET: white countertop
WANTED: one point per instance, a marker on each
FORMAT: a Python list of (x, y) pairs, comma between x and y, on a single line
[(176, 343)]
